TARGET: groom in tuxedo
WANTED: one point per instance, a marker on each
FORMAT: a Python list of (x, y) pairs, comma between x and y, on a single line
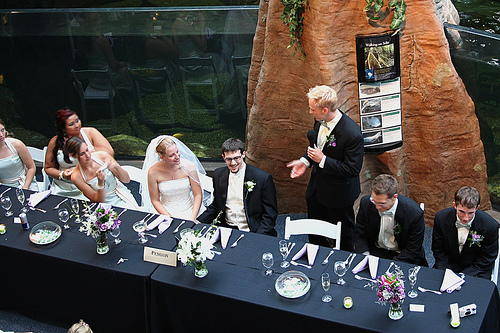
[(464, 238), (245, 194), (336, 156)]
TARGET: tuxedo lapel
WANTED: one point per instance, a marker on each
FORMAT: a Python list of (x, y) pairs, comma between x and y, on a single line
[(224, 183), (451, 231)]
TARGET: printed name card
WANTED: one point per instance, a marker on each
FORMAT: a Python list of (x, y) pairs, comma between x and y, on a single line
[(161, 257)]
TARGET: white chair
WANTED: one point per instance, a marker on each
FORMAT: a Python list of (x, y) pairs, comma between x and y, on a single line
[(313, 227), (208, 186), (38, 155), (494, 274), (137, 175)]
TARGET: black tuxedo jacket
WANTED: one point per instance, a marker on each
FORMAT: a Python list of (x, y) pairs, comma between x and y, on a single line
[(408, 215), (337, 184), (261, 207), (474, 260)]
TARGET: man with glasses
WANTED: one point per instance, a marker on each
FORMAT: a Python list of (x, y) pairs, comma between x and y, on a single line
[(389, 225), (245, 194), (464, 238)]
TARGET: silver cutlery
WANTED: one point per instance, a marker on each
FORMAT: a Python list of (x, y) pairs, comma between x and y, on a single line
[(201, 231), (431, 291), (290, 249), (352, 258), (236, 242), (299, 264), (152, 235), (149, 218), (389, 269), (357, 277), (327, 258), (7, 190), (216, 252), (39, 209), (123, 211), (177, 229), (59, 204)]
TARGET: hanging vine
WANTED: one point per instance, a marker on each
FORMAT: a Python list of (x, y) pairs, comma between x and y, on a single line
[(373, 8), (293, 16)]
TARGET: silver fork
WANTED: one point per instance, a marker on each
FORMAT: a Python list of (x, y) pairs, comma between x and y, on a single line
[(236, 241), (7, 190), (59, 204), (39, 209), (299, 264), (431, 291), (177, 229), (357, 277), (327, 258)]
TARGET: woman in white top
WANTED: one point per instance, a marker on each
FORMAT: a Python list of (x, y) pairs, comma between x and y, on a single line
[(17, 168), (68, 125)]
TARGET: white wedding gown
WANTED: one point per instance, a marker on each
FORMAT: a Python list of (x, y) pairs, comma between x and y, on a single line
[(177, 198)]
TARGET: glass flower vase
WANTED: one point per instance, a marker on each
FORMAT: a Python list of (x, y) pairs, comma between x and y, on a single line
[(102, 244), (395, 311), (200, 269)]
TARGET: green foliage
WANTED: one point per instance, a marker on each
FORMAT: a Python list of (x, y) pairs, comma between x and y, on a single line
[(293, 15), (373, 7)]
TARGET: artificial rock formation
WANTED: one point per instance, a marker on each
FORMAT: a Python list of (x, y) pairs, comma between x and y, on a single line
[(441, 150)]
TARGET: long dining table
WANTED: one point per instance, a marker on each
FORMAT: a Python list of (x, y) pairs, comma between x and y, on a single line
[(67, 280)]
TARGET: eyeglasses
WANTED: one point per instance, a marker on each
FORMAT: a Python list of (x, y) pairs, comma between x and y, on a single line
[(379, 203), (237, 159)]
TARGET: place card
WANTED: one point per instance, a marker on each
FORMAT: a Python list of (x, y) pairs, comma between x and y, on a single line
[(159, 256), (417, 308)]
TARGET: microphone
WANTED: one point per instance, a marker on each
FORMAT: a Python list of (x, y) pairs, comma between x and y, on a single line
[(311, 136)]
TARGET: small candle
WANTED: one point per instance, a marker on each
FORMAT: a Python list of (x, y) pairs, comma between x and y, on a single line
[(455, 323), (3, 230), (347, 302)]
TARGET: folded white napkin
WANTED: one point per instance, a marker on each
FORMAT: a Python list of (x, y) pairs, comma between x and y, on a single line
[(35, 198), (164, 225), (156, 222), (451, 281), (368, 261), (223, 233), (312, 251)]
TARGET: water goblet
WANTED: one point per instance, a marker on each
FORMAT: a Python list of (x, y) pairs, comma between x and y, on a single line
[(6, 204), (21, 198), (284, 252), (63, 215), (140, 227), (412, 276), (325, 282), (115, 233), (268, 261), (340, 269)]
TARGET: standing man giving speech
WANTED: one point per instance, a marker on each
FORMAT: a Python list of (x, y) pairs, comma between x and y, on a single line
[(336, 157)]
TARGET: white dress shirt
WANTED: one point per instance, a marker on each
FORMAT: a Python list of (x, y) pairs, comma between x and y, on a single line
[(235, 209), (386, 238)]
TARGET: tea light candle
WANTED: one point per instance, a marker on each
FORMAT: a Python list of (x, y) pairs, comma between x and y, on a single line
[(3, 230), (347, 302)]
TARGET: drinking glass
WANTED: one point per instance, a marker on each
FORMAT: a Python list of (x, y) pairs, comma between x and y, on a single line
[(340, 268), (63, 215), (325, 281), (268, 261), (21, 198), (115, 233), (6, 204), (140, 227), (284, 252), (412, 276)]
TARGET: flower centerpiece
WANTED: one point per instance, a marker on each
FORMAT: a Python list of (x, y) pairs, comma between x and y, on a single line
[(98, 223), (391, 290)]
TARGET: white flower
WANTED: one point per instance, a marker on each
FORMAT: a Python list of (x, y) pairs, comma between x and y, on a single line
[(250, 185), (193, 247)]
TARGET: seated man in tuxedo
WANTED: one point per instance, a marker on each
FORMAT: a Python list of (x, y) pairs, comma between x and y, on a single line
[(245, 194), (464, 238), (389, 225)]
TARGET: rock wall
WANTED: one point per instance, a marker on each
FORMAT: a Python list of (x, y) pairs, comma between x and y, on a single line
[(441, 148)]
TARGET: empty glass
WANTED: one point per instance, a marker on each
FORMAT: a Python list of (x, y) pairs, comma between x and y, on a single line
[(115, 233), (412, 276), (6, 204), (340, 268), (21, 198), (284, 252), (268, 262), (325, 281), (63, 215)]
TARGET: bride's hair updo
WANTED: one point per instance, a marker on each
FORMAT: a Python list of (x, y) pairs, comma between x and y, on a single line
[(163, 145)]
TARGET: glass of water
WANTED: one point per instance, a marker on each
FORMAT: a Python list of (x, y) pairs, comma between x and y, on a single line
[(63, 215), (340, 268), (7, 205), (21, 198), (115, 233), (268, 262)]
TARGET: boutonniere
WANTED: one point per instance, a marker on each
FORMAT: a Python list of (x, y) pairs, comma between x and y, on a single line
[(250, 184), (475, 238), (331, 141), (397, 228)]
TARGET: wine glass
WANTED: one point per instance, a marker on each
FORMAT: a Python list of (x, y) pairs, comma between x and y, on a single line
[(115, 233), (268, 261), (340, 268), (140, 227), (6, 204), (412, 276), (21, 198), (284, 252), (325, 281), (63, 215)]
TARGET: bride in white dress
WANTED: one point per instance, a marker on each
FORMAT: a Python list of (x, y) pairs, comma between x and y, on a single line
[(173, 181)]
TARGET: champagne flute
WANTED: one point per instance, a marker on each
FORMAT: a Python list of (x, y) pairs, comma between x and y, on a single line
[(140, 227), (268, 261), (412, 276), (6, 204), (325, 281), (340, 268), (75, 207), (63, 215), (284, 252), (115, 233), (21, 198)]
